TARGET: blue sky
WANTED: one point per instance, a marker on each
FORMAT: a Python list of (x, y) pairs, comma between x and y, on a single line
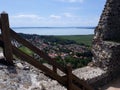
[(53, 12)]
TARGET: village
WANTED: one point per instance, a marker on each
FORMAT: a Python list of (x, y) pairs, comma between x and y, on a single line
[(65, 51)]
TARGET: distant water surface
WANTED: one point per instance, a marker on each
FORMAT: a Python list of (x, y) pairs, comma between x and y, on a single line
[(55, 30)]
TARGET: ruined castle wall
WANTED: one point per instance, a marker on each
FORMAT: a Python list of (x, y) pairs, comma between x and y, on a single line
[(106, 46), (109, 24)]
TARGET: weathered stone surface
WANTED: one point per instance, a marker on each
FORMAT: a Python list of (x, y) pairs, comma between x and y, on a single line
[(106, 42), (105, 49), (90, 74), (107, 56), (109, 24), (36, 88), (17, 78)]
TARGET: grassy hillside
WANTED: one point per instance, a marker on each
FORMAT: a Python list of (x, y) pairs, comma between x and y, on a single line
[(85, 39)]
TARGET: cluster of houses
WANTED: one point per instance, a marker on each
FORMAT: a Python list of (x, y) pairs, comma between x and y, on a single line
[(55, 49)]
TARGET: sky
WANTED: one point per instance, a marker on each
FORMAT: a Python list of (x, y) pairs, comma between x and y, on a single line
[(52, 13)]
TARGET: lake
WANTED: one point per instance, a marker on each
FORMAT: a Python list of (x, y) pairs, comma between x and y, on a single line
[(55, 30)]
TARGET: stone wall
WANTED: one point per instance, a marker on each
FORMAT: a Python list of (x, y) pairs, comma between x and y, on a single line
[(107, 55), (106, 49), (109, 24), (106, 42)]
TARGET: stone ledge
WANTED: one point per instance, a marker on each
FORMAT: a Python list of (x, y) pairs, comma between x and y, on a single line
[(95, 76), (90, 74)]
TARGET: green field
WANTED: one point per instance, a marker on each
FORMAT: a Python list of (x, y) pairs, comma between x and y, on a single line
[(26, 50), (81, 39)]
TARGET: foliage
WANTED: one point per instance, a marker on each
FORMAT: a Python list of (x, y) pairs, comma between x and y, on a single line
[(81, 39), (75, 62), (26, 50), (85, 54)]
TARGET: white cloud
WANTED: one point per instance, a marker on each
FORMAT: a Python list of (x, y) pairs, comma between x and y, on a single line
[(55, 17), (25, 19), (63, 19), (72, 1), (68, 15), (27, 16)]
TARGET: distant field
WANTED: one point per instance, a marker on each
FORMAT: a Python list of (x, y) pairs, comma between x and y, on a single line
[(85, 39)]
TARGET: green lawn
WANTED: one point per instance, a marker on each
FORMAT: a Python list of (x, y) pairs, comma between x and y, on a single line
[(85, 39)]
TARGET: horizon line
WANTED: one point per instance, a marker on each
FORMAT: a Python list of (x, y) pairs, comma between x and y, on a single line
[(88, 27)]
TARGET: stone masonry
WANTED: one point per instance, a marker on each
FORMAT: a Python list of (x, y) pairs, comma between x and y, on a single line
[(106, 42), (109, 24)]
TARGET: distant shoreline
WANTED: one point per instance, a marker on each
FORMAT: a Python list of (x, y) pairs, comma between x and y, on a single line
[(53, 27), (55, 30)]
